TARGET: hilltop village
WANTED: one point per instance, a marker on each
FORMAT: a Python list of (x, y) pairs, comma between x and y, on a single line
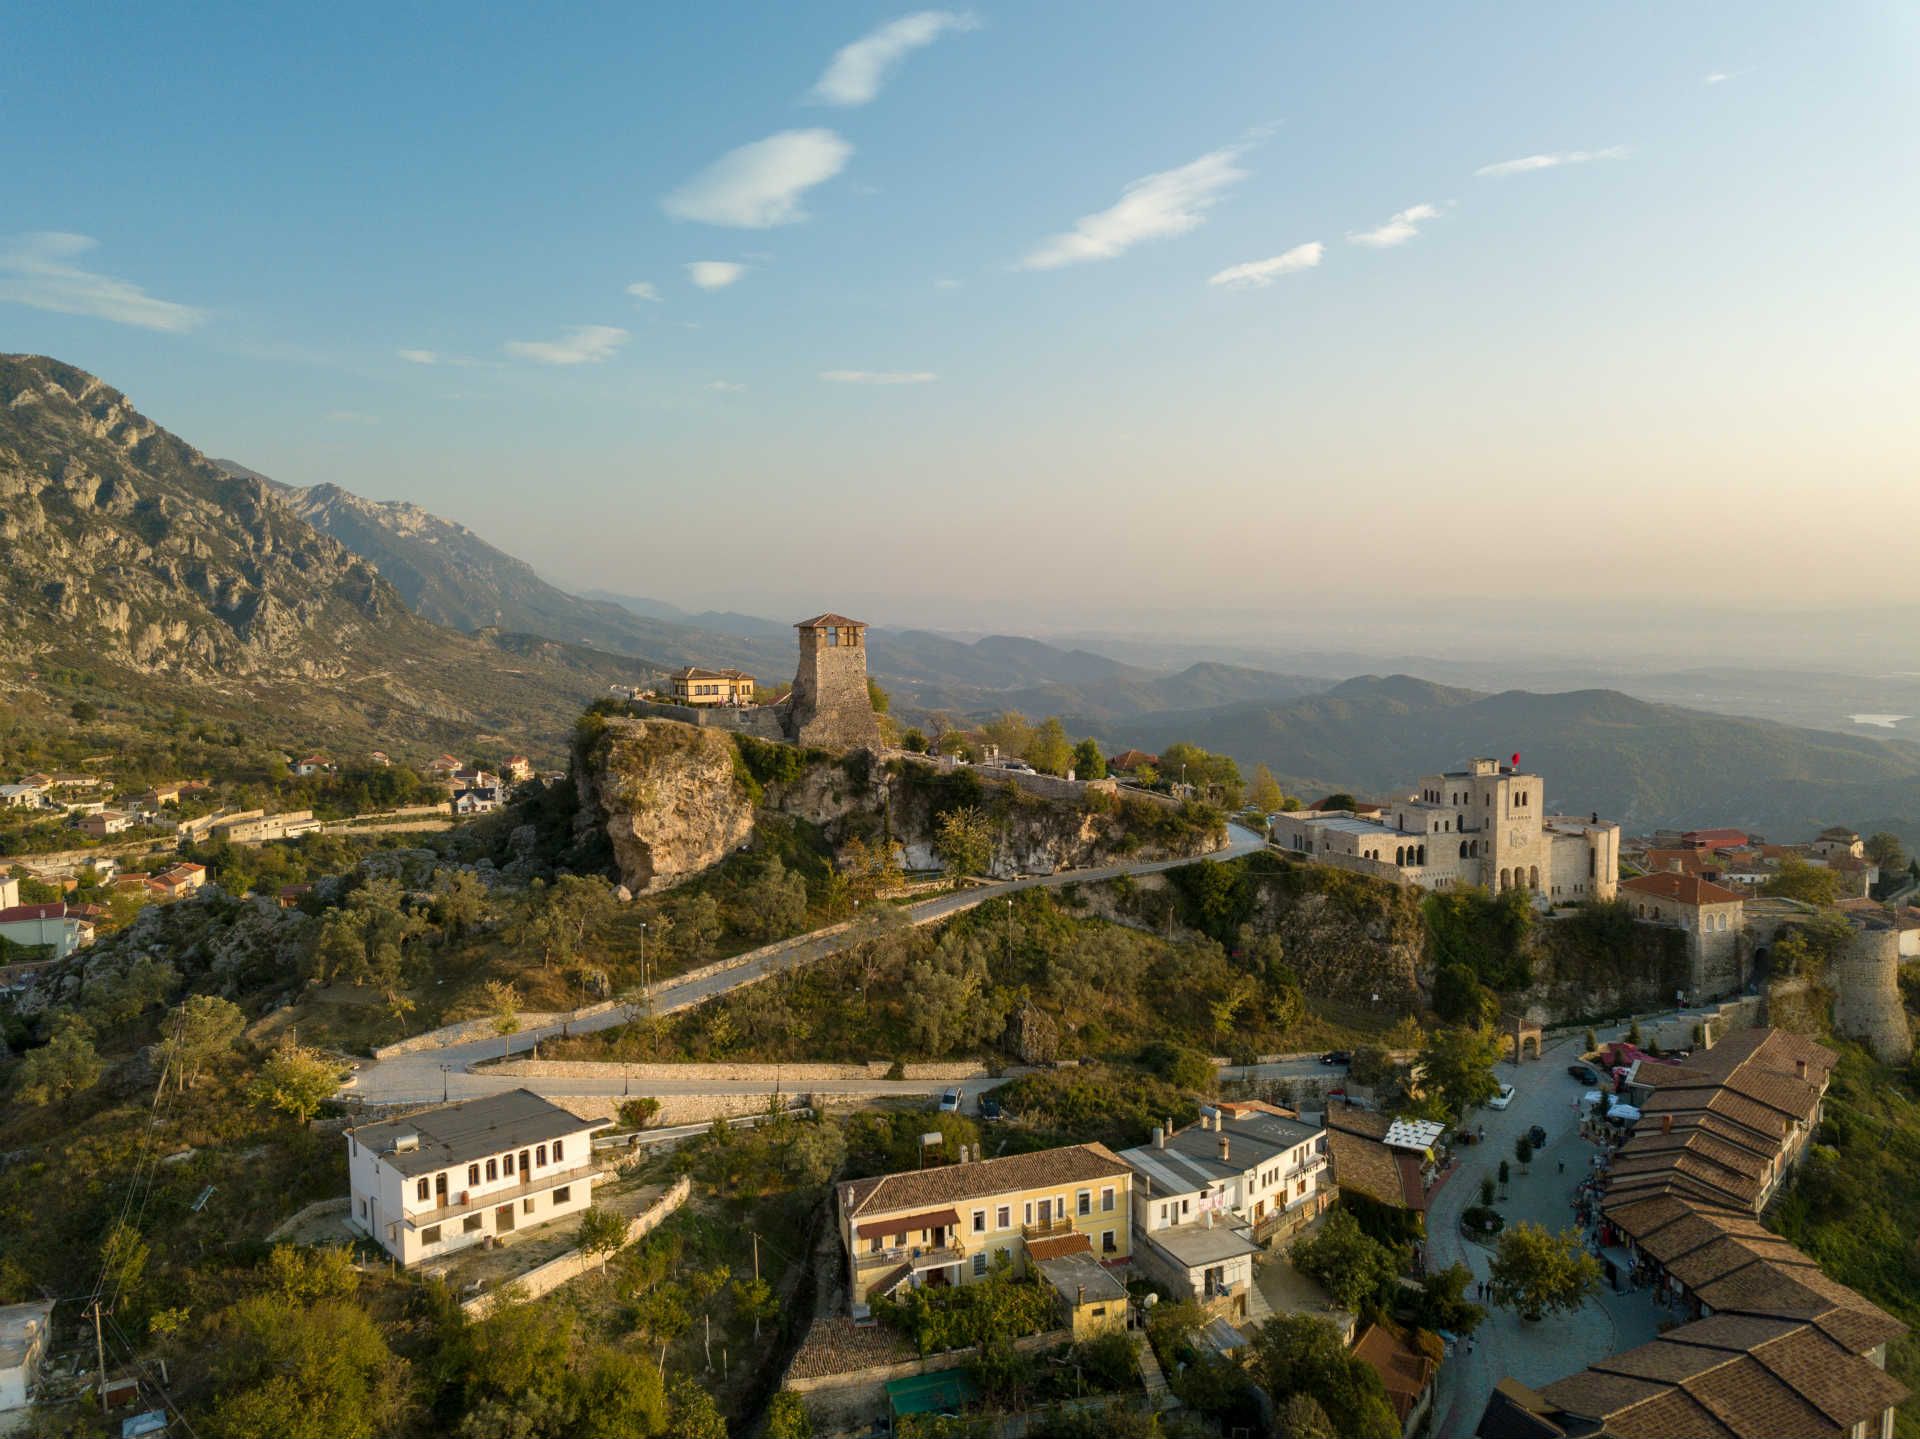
[(976, 1114)]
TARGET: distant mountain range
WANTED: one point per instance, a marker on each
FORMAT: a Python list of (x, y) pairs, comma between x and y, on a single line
[(1648, 765), (130, 556)]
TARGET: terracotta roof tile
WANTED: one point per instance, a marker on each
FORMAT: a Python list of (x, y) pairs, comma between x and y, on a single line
[(1687, 889), (954, 1183)]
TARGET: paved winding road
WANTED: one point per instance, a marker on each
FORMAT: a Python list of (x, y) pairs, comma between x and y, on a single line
[(432, 1074)]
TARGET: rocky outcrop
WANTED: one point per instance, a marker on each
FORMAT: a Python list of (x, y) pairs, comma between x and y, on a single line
[(675, 798), (668, 796)]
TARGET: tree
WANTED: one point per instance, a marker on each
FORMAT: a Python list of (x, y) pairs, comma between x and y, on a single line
[(202, 1029), (1886, 851), (877, 697), (291, 1371), (963, 839), (86, 711), (1456, 1065), (1340, 800), (1350, 1264), (1460, 998), (1049, 751), (1536, 1273), (1443, 1304), (777, 900), (1088, 762), (1808, 949), (1302, 1354), (915, 739), (1809, 883), (1301, 1417), (754, 1299), (602, 1232), (63, 1066), (1009, 733), (1523, 1151), (1266, 794), (296, 1081), (459, 902), (1486, 1191), (639, 1113), (692, 1414), (787, 1417), (620, 1396), (503, 1003)]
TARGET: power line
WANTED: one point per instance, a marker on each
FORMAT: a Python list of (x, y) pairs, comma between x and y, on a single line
[(147, 1374)]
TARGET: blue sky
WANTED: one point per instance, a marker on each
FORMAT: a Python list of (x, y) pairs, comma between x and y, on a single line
[(1051, 314)]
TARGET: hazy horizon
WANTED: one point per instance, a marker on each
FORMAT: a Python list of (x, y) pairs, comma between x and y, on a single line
[(1280, 327)]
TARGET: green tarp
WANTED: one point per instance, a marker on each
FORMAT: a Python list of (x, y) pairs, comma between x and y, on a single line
[(938, 1393)]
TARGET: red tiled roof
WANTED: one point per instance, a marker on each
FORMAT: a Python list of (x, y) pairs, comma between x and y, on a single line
[(1715, 838), (1058, 1247), (56, 910), (1680, 889), (829, 621)]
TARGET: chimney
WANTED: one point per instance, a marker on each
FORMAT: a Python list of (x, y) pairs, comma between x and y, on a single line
[(1666, 1124), (1226, 1148), (1800, 1068), (1159, 1137), (1080, 1296)]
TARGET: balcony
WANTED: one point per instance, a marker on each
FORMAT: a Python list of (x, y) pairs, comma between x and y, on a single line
[(472, 1201), (915, 1256), (1049, 1229)]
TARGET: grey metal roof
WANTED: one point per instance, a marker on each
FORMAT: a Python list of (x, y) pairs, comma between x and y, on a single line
[(1191, 1158), (469, 1130)]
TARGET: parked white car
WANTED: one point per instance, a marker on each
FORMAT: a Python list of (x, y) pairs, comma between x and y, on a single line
[(1502, 1099)]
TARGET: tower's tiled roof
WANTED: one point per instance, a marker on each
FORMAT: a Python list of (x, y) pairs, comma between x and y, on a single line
[(830, 621)]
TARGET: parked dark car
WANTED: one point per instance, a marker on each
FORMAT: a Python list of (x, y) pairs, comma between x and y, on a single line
[(1337, 1056), (989, 1107), (1585, 1073), (1537, 1136)]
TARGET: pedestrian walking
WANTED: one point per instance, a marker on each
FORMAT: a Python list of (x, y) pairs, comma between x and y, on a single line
[(1563, 1166)]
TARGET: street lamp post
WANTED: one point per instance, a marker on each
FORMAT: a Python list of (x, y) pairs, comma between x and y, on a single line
[(443, 1082)]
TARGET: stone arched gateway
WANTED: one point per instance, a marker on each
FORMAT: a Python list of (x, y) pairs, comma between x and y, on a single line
[(1524, 1034)]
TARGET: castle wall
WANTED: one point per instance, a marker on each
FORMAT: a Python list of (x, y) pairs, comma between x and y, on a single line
[(1866, 987), (760, 721)]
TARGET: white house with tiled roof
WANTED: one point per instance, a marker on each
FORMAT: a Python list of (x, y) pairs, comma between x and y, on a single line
[(954, 1224), (444, 1180)]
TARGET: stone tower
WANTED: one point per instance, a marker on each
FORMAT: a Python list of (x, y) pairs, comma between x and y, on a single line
[(1866, 993), (830, 705)]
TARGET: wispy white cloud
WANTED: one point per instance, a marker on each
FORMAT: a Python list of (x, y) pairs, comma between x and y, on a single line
[(1170, 202), (419, 357), (714, 274), (1717, 77), (582, 345), (41, 270), (1399, 229), (1258, 274), (945, 283), (1526, 164), (726, 387), (761, 185), (855, 74), (879, 377), (642, 290)]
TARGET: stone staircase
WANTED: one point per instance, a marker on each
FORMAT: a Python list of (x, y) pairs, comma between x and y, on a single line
[(1159, 1395), (1258, 1310)]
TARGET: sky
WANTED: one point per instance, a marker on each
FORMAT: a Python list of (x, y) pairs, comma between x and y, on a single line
[(1051, 317)]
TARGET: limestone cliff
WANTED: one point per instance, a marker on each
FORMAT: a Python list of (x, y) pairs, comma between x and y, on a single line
[(674, 799), (668, 796)]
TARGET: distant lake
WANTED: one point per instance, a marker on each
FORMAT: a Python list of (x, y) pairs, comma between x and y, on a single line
[(1883, 721)]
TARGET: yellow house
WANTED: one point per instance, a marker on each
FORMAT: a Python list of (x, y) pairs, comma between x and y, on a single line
[(698, 687), (1067, 1210)]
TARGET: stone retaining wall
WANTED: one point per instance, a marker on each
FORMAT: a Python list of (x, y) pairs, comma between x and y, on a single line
[(573, 1263), (782, 1074)]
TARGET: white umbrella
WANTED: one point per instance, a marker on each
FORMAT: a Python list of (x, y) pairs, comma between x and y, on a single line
[(1624, 1112)]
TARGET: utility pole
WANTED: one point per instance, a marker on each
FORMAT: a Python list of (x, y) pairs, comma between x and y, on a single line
[(100, 1349), (1009, 936), (643, 954)]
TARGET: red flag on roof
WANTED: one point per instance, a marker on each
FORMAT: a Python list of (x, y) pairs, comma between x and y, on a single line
[(1516, 761)]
